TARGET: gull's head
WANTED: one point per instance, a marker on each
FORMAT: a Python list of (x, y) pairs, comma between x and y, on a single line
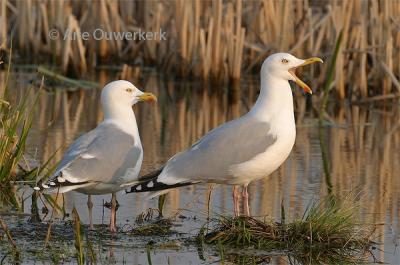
[(124, 93), (284, 65)]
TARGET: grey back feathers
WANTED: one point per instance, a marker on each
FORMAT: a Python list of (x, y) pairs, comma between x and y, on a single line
[(101, 155), (213, 155), (211, 158)]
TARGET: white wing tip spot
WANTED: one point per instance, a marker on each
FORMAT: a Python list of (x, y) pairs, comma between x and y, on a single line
[(139, 187), (150, 184), (87, 156), (45, 186), (52, 183), (36, 188), (61, 179)]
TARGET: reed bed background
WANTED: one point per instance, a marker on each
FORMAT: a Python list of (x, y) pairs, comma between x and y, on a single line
[(216, 40)]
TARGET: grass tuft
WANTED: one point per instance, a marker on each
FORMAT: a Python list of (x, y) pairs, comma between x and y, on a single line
[(329, 231), (15, 123), (16, 117), (160, 228), (147, 215)]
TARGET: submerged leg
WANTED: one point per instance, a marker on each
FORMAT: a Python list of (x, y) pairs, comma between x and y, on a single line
[(246, 201), (235, 196), (90, 207), (113, 218)]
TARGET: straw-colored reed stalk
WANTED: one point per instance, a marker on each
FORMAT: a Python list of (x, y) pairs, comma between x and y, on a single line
[(216, 39), (3, 24)]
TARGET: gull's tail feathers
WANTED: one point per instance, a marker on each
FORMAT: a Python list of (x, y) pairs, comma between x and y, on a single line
[(58, 184), (151, 183)]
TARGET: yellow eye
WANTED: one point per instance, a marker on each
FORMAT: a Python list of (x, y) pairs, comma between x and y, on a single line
[(129, 90), (284, 61)]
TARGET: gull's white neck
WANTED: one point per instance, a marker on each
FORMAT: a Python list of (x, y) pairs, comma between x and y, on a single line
[(123, 116), (275, 101)]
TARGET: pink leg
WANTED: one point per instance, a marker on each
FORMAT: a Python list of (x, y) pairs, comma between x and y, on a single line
[(113, 217), (235, 195), (246, 201), (90, 207)]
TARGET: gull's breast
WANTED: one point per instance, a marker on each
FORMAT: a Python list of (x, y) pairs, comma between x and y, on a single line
[(266, 162)]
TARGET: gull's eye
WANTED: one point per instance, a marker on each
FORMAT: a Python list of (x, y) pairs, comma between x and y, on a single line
[(284, 61), (129, 90)]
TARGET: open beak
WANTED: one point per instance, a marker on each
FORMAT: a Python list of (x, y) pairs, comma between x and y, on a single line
[(303, 85), (147, 97)]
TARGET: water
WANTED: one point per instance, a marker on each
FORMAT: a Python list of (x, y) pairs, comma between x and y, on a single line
[(363, 143)]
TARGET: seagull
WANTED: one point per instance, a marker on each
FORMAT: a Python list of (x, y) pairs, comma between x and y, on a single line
[(105, 159), (241, 150)]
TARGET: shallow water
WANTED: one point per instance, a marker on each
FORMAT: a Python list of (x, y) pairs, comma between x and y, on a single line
[(363, 144)]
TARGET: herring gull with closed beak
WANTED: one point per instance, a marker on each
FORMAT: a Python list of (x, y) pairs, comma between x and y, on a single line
[(108, 157)]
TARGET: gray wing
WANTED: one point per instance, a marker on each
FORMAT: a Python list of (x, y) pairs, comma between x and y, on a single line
[(232, 143), (132, 162), (98, 156)]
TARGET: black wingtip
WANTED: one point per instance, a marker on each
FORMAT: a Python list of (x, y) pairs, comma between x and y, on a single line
[(155, 185), (55, 182), (41, 186)]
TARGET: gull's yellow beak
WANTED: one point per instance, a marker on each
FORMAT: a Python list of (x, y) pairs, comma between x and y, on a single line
[(303, 85), (147, 97)]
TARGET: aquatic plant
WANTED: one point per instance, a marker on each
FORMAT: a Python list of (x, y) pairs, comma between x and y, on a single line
[(16, 115), (78, 234), (159, 227), (328, 231), (83, 84), (148, 215), (322, 113), (15, 123)]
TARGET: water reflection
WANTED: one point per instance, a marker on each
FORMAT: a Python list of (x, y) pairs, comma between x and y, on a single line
[(363, 144)]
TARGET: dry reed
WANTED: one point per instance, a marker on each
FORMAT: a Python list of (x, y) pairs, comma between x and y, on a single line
[(216, 39)]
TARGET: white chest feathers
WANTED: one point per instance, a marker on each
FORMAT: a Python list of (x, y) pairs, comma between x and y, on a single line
[(266, 162)]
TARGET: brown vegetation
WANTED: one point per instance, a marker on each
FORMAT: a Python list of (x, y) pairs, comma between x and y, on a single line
[(216, 39)]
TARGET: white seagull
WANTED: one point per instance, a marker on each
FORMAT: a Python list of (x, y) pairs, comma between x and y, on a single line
[(107, 158), (245, 149)]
